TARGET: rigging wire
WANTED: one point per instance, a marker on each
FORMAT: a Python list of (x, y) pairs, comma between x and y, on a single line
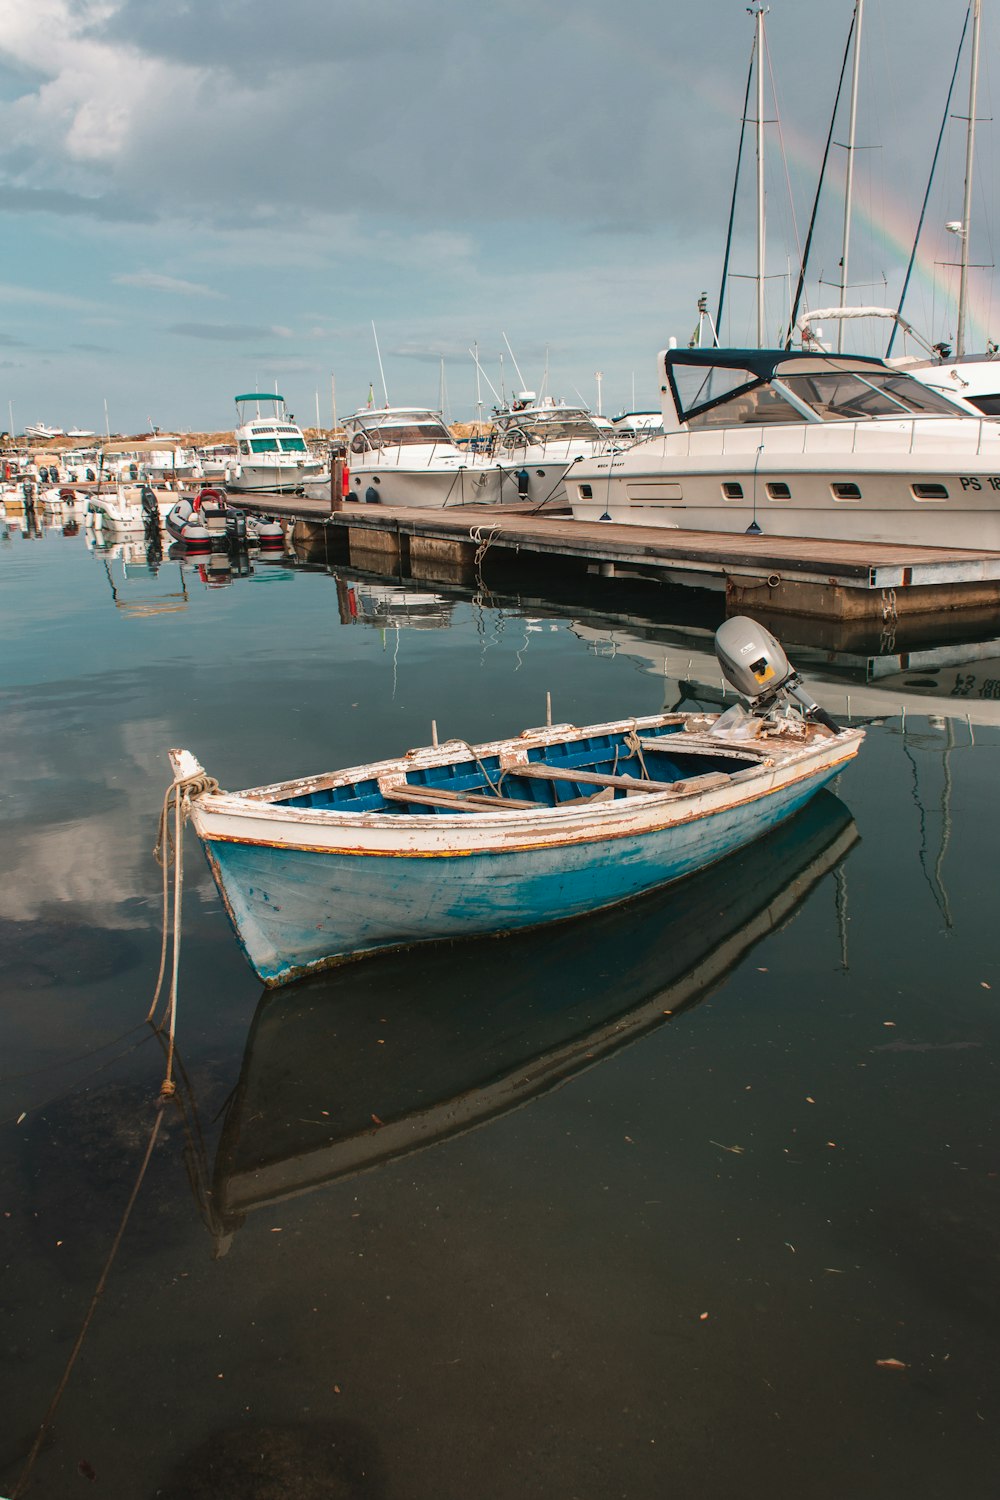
[(781, 146), (736, 183), (927, 192), (819, 188)]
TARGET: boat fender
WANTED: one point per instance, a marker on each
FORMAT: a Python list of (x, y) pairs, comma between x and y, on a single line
[(523, 480), (345, 487), (372, 496)]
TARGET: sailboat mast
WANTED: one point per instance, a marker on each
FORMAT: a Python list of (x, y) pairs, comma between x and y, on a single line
[(479, 389), (849, 178), (963, 284), (759, 14)]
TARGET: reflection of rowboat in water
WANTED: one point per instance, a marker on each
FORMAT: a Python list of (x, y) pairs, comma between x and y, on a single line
[(350, 1070)]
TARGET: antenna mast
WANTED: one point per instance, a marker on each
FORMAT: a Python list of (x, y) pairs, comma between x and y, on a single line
[(963, 284), (758, 12), (378, 351), (849, 179)]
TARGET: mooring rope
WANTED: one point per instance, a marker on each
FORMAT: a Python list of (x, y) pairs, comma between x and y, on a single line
[(631, 738), (169, 848), (483, 545), (47, 1420)]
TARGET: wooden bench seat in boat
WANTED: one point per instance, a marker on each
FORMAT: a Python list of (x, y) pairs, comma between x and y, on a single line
[(668, 745), (461, 801), (478, 801), (702, 783)]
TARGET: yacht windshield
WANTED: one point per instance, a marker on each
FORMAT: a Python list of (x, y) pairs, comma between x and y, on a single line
[(389, 434), (880, 393), (759, 406), (264, 445), (574, 425), (293, 445)]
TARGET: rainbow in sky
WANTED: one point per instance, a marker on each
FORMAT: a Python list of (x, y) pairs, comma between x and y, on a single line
[(882, 229)]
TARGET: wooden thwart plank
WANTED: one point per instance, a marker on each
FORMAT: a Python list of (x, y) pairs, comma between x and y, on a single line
[(462, 801), (702, 783), (587, 778)]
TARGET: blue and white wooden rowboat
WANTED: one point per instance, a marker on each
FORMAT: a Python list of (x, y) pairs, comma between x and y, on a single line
[(456, 840)]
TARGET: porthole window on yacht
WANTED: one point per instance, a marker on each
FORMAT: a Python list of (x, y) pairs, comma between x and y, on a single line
[(846, 491), (778, 490), (585, 491), (929, 491), (732, 490)]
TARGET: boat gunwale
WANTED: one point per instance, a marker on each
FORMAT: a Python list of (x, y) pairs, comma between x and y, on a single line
[(618, 817)]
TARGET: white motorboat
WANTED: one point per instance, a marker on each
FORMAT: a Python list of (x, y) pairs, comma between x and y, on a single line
[(271, 451), (803, 444), (123, 511), (974, 378), (405, 455), (632, 425), (539, 442), (970, 379)]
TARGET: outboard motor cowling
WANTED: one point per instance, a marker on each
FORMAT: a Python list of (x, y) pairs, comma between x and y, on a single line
[(754, 663)]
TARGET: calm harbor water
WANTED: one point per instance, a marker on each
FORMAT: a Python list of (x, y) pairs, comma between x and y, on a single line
[(697, 1198)]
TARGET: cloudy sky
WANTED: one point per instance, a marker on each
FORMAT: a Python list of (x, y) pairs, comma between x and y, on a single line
[(201, 197)]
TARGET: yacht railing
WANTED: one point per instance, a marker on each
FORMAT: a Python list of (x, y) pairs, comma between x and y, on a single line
[(737, 441)]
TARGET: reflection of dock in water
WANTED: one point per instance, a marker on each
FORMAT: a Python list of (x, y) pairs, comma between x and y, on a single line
[(353, 1069)]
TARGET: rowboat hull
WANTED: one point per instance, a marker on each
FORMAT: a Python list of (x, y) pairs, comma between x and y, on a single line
[(306, 890)]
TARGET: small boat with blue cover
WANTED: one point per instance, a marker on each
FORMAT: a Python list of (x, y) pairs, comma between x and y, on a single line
[(457, 840)]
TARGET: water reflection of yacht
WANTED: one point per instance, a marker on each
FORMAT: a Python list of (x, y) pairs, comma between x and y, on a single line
[(395, 605), (354, 1069), (953, 679), (139, 585)]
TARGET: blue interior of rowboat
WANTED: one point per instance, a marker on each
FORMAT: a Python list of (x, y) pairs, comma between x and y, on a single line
[(607, 754)]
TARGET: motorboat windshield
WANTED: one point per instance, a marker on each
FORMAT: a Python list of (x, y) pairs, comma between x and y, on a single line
[(553, 425), (873, 393), (274, 439), (762, 387), (374, 429)]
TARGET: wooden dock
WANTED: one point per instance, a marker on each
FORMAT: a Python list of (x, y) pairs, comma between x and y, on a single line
[(784, 575)]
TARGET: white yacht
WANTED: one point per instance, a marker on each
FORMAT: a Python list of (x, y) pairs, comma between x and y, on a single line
[(802, 444), (271, 451), (974, 378), (538, 443), (632, 425), (405, 455)]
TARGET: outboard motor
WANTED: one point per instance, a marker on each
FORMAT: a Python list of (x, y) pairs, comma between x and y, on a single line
[(754, 663), (150, 512)]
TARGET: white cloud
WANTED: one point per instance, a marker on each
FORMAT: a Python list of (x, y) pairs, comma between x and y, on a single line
[(155, 282)]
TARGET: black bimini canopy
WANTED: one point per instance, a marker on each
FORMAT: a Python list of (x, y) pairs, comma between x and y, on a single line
[(702, 378)]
